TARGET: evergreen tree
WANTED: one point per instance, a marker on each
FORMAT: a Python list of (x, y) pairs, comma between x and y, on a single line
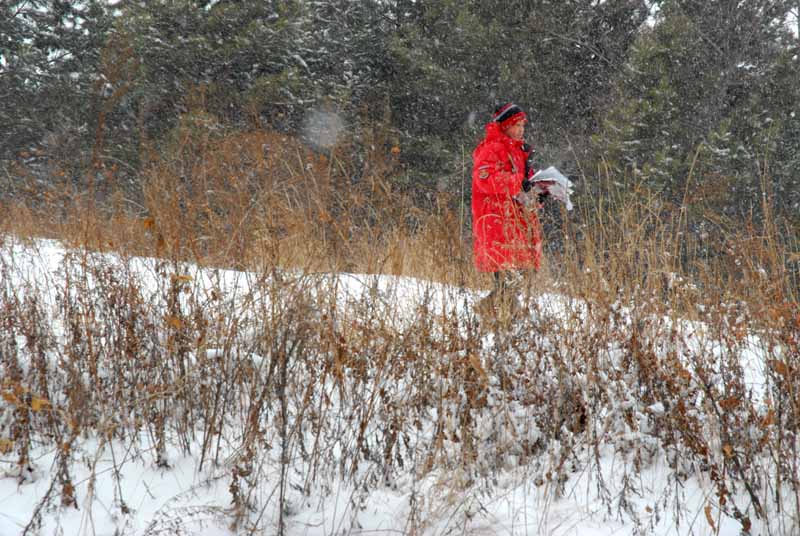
[(706, 86), (445, 69), (350, 59), (246, 57), (697, 100), (49, 55), (458, 60)]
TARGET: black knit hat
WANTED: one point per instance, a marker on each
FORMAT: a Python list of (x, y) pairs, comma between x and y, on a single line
[(508, 114)]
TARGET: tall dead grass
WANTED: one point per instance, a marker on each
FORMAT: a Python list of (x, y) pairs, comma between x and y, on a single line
[(241, 199)]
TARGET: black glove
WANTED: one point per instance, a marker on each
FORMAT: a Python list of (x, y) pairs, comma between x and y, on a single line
[(542, 196), (527, 184)]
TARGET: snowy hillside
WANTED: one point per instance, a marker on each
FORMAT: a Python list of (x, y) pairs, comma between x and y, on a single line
[(144, 397)]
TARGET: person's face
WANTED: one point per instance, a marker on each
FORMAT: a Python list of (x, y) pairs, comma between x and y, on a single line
[(516, 131)]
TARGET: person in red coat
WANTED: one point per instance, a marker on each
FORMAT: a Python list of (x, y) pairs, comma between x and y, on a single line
[(506, 232)]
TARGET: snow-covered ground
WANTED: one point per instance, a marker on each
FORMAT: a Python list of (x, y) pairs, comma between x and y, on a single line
[(131, 486), (123, 492)]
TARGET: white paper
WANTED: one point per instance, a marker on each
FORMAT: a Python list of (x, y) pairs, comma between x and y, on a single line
[(555, 183)]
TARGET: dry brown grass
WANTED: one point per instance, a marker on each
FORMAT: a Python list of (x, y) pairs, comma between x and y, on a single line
[(244, 199)]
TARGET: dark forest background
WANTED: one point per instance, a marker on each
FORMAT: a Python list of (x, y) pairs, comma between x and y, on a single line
[(693, 104)]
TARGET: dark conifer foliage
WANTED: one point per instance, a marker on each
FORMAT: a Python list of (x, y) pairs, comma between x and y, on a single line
[(647, 88), (49, 55), (708, 92)]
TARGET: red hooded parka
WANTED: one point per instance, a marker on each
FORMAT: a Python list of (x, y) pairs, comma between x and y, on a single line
[(506, 234)]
